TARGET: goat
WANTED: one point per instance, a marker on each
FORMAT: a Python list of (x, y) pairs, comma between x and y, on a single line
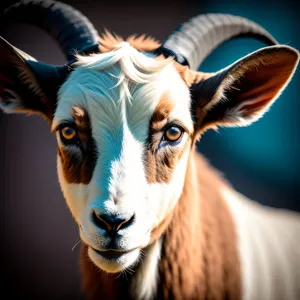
[(127, 115)]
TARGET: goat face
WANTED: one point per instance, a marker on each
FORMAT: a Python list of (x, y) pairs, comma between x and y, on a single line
[(123, 143)]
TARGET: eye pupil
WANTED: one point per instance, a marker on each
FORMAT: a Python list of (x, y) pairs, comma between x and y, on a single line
[(68, 133), (173, 133)]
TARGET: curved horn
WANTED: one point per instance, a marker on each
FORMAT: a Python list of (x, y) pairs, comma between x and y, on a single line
[(72, 30), (194, 40)]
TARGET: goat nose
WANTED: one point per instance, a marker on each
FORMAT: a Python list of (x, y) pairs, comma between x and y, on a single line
[(110, 222)]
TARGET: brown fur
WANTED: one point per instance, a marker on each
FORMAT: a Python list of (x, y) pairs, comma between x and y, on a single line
[(189, 76), (77, 166), (100, 285), (199, 256), (160, 163)]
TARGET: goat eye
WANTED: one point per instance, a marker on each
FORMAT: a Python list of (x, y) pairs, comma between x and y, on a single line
[(68, 133), (173, 134)]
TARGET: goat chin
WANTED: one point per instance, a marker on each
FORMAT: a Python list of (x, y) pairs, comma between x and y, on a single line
[(123, 262)]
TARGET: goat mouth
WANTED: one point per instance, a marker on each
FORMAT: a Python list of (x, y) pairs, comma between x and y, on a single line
[(114, 261), (111, 254)]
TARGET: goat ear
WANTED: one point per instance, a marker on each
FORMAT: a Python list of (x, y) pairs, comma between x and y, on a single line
[(243, 92), (26, 85)]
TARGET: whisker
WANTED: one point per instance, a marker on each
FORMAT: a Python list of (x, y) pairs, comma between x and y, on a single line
[(76, 244)]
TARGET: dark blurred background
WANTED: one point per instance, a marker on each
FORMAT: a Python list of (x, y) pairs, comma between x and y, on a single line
[(37, 232)]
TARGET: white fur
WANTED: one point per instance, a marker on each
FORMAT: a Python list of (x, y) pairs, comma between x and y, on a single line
[(268, 241), (144, 285)]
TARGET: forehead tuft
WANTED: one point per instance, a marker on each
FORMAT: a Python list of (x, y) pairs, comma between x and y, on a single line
[(136, 66)]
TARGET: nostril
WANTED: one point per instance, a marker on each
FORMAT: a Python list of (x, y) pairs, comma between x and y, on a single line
[(100, 222), (126, 223), (110, 222)]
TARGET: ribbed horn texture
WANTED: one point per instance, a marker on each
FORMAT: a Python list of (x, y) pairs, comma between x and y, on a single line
[(194, 40), (69, 27)]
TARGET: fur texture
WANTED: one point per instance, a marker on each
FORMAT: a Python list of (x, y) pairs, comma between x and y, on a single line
[(199, 258)]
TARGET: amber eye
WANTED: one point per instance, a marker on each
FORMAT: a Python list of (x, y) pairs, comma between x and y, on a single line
[(173, 133), (68, 133)]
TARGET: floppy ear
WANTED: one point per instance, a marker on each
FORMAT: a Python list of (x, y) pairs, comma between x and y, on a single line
[(244, 91), (26, 85)]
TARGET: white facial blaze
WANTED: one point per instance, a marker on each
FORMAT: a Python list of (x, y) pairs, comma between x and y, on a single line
[(120, 92)]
